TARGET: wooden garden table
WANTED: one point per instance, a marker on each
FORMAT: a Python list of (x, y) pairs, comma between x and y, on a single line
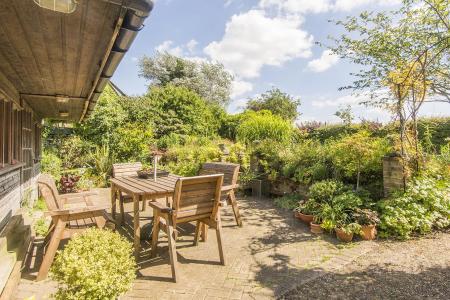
[(141, 190)]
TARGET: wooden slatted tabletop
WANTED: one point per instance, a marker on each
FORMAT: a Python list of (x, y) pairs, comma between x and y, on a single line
[(141, 190)]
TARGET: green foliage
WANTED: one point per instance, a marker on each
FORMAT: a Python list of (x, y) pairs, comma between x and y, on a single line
[(287, 202), (41, 226), (366, 216), (102, 165), (179, 110), (345, 114), (326, 190), (209, 80), (186, 159), (133, 142), (304, 162), (51, 164), (102, 124), (74, 152), (96, 264), (278, 102), (263, 125), (354, 228), (426, 204), (357, 153), (39, 204), (308, 207), (338, 212)]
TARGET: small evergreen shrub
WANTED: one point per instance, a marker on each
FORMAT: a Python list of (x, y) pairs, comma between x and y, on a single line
[(97, 264)]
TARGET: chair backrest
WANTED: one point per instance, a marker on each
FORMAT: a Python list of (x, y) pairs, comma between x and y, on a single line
[(126, 169), (230, 171), (197, 197), (48, 190)]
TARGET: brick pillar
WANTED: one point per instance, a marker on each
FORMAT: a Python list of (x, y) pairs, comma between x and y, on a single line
[(393, 175)]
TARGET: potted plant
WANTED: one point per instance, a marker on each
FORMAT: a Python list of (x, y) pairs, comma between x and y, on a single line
[(368, 219), (345, 232), (316, 225), (306, 209)]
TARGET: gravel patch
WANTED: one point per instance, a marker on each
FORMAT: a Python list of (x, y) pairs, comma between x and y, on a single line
[(413, 269)]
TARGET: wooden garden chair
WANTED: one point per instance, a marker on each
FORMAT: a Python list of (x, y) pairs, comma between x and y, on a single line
[(70, 213), (195, 199), (231, 174), (126, 170)]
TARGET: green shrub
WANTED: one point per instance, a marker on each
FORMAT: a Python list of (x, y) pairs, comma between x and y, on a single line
[(426, 204), (358, 154), (287, 201), (308, 207), (263, 125), (186, 159), (326, 190), (97, 264), (132, 142), (41, 226), (305, 162), (51, 164), (74, 152)]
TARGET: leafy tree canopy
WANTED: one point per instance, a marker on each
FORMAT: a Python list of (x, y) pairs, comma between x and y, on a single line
[(263, 125), (209, 80), (173, 109), (403, 48), (278, 102)]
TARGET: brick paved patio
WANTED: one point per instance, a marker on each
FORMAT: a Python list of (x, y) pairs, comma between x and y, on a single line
[(270, 255)]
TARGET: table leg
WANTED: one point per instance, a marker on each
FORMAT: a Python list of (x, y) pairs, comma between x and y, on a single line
[(113, 201), (137, 228)]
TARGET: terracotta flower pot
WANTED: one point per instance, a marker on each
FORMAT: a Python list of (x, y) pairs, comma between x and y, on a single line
[(342, 236), (304, 218), (315, 228), (368, 232)]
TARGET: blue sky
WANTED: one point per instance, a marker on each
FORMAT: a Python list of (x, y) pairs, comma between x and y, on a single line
[(264, 43)]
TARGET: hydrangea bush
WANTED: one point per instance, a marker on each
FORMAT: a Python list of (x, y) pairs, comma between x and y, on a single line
[(97, 264)]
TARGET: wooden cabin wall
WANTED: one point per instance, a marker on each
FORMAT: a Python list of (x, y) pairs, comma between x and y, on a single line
[(20, 153)]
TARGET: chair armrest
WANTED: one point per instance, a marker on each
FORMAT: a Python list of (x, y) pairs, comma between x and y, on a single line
[(159, 206), (227, 188), (78, 210)]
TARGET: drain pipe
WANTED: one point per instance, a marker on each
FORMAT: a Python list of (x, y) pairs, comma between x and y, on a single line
[(137, 12)]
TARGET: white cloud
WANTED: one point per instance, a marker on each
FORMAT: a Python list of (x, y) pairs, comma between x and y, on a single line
[(240, 87), (179, 50), (324, 62), (190, 46), (253, 40), (321, 6), (297, 6), (167, 46), (343, 100)]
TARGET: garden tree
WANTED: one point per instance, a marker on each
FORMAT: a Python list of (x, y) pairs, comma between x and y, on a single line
[(278, 102), (263, 125), (209, 80), (173, 109), (102, 124), (405, 55), (345, 114), (358, 152)]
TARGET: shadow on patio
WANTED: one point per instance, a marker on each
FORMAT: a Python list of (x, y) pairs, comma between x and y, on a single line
[(269, 255)]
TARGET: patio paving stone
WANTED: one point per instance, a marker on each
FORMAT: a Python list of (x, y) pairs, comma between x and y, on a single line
[(271, 254)]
